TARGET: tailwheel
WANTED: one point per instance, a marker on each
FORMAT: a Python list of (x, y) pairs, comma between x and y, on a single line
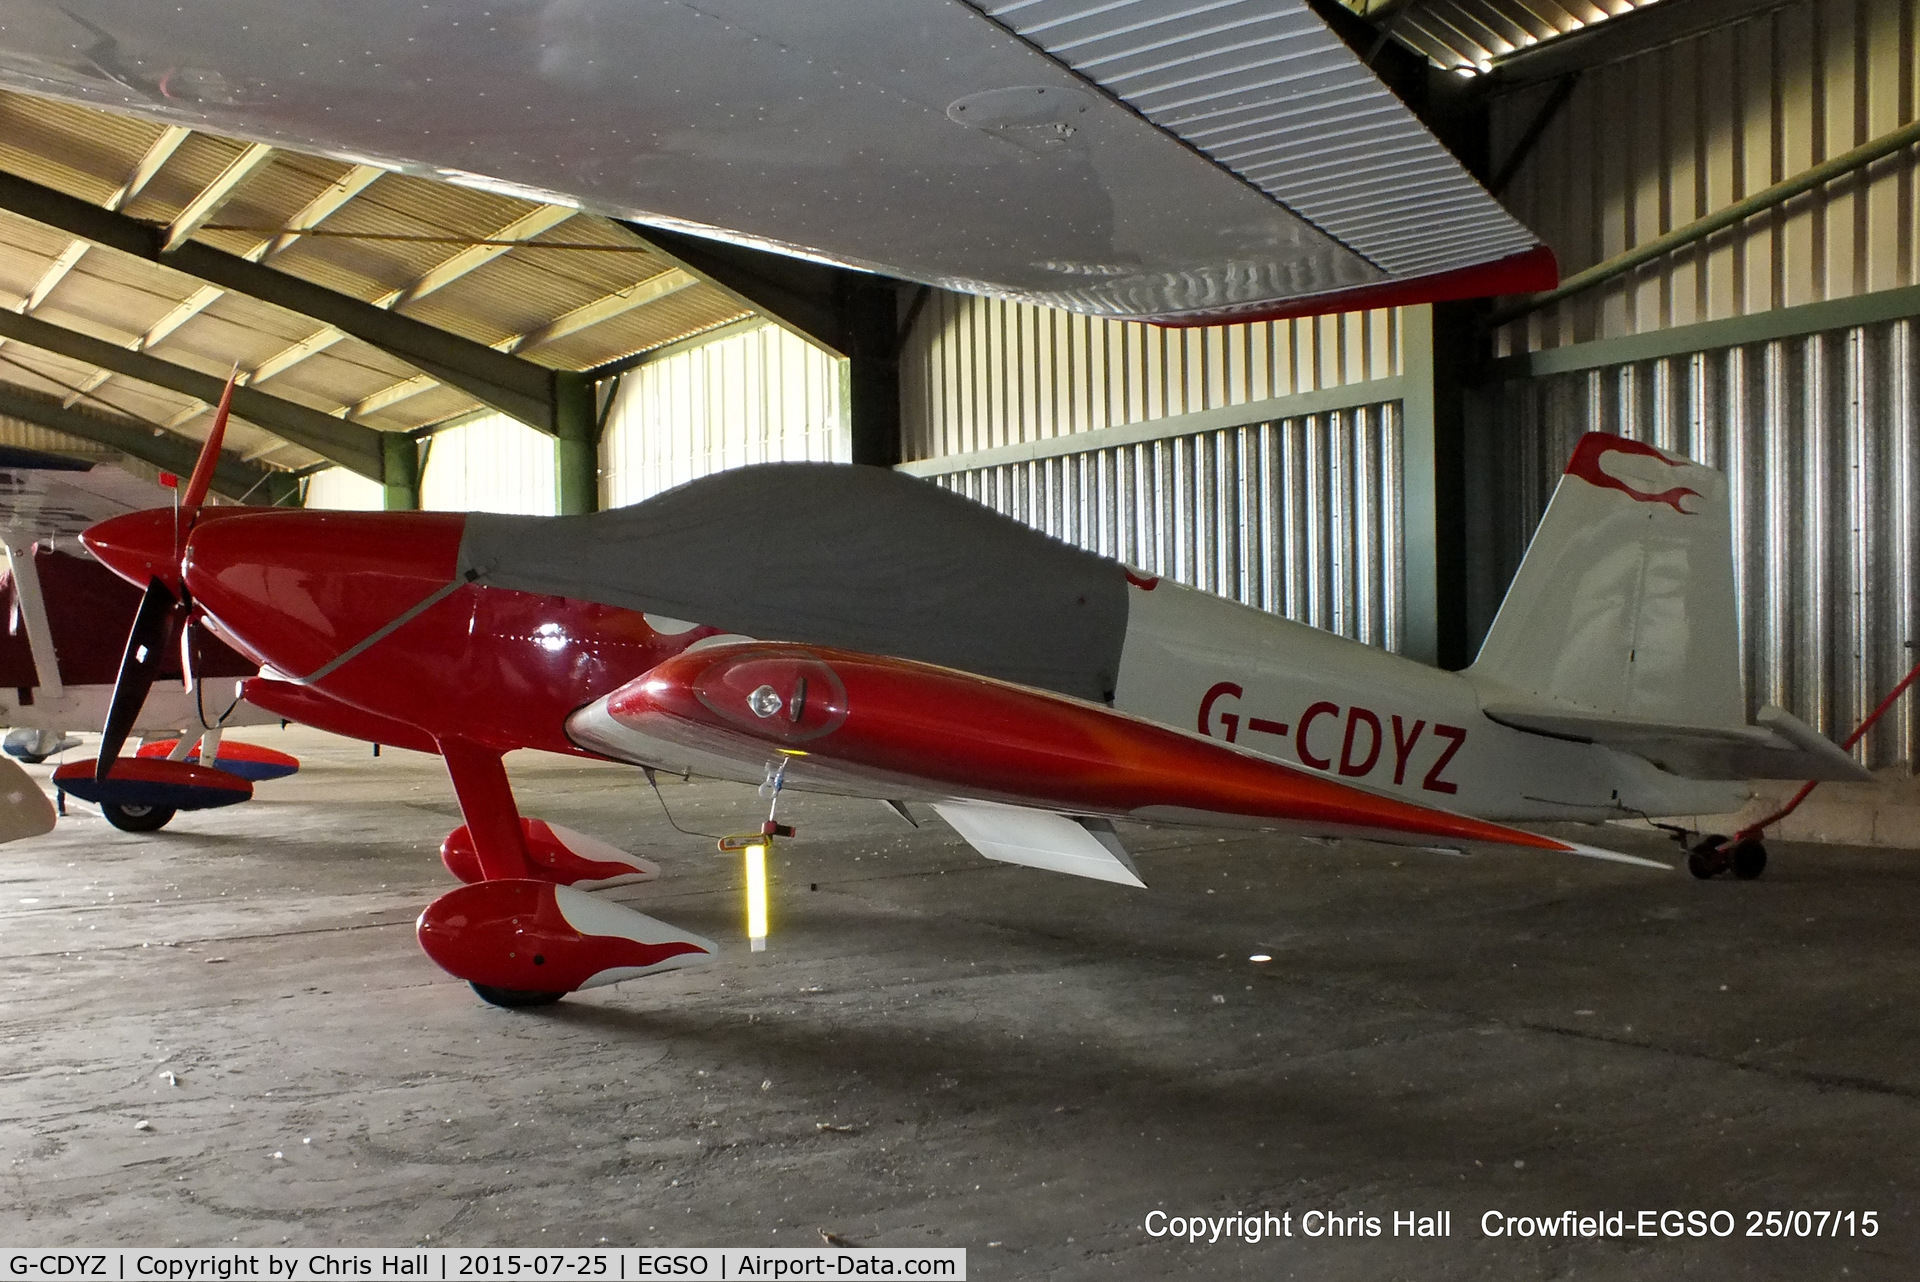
[(514, 998), (1709, 857), (129, 818), (1749, 859)]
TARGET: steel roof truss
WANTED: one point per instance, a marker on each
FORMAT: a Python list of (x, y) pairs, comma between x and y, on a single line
[(507, 383), (233, 477), (348, 444)]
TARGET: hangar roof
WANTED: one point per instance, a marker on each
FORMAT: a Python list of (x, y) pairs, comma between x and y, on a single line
[(1470, 36), (559, 288)]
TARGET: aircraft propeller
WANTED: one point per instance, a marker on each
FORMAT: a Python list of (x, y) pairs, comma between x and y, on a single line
[(165, 607)]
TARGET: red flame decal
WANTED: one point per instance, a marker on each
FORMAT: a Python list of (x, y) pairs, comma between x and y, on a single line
[(1585, 464)]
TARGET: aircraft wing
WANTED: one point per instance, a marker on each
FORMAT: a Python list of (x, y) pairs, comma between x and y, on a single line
[(1025, 775), (1778, 746), (45, 498), (1147, 159)]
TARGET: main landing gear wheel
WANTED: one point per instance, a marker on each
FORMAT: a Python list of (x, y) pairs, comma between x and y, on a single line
[(138, 818), (514, 998), (1716, 854), (1708, 858)]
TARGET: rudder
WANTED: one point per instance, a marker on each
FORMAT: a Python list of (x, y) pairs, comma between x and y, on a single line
[(1624, 604)]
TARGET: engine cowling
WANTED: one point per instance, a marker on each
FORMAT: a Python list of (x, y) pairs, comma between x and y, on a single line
[(556, 854), (536, 937)]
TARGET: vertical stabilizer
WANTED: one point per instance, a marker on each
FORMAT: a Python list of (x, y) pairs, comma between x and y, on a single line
[(1624, 605)]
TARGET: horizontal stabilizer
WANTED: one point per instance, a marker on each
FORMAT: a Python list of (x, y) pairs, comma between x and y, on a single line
[(1615, 857), (1780, 746), (1042, 839)]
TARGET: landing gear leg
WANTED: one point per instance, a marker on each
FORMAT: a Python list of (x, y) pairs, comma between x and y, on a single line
[(493, 818), (487, 804)]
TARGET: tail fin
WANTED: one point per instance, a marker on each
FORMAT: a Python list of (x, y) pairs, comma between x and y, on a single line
[(1624, 605)]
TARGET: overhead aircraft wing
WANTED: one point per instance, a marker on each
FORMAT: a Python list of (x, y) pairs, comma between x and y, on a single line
[(1149, 159), (1018, 771)]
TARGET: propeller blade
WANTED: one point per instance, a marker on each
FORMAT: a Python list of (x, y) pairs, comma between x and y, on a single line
[(202, 478), (138, 665)]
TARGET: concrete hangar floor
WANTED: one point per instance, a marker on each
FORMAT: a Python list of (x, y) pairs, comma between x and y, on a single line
[(941, 1051)]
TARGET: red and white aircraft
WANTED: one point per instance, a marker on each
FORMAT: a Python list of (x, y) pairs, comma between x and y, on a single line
[(857, 631), (66, 618)]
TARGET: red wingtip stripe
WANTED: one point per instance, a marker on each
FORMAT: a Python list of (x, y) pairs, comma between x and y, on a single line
[(1527, 272)]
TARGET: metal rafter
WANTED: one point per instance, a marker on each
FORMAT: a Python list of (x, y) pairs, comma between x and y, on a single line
[(311, 215), (201, 209), (473, 257), (317, 211), (150, 165), (87, 387), (506, 383), (439, 277), (586, 315), (347, 444), (669, 282), (234, 477), (195, 303), (467, 260), (392, 394), (198, 302), (49, 279), (287, 357)]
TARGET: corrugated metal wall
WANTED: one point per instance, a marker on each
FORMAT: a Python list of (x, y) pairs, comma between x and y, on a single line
[(1820, 438), (21, 434), (978, 373), (756, 397), (1301, 517), (1653, 142), (336, 489), (492, 464)]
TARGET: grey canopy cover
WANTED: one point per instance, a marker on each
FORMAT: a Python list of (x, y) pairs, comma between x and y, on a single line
[(859, 558)]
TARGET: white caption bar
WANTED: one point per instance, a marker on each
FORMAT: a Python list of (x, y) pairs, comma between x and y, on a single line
[(444, 1264)]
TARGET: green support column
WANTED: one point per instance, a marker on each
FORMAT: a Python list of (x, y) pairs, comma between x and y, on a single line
[(871, 388), (400, 475), (282, 489), (576, 445), (1439, 359)]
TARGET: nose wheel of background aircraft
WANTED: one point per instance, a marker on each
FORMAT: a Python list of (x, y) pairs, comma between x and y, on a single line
[(136, 818), (1747, 858)]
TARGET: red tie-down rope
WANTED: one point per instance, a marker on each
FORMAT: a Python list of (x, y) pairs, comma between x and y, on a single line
[(1755, 830)]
